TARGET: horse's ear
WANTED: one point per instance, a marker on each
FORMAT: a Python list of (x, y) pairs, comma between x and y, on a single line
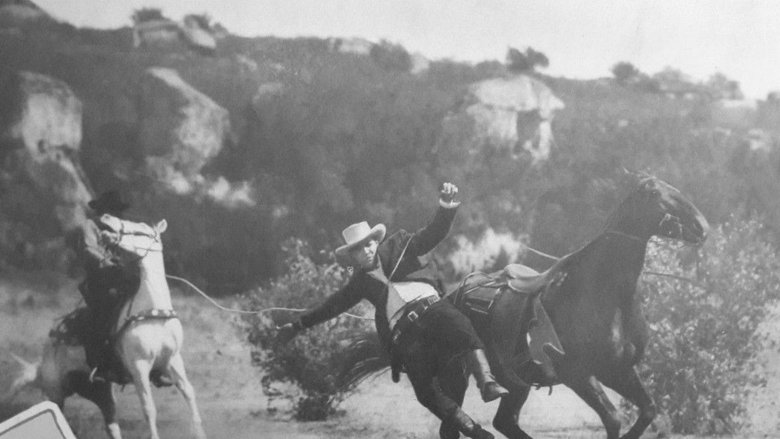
[(161, 226)]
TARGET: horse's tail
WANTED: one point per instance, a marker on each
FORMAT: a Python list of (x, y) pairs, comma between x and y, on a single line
[(364, 357), (28, 375)]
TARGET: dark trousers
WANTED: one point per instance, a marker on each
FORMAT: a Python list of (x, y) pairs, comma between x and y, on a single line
[(441, 335), (104, 292)]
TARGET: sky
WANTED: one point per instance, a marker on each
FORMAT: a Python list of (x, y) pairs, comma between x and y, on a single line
[(582, 38)]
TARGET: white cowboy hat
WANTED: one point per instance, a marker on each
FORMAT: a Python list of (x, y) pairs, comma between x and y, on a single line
[(357, 234)]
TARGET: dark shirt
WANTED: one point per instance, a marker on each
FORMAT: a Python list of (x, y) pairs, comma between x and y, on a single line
[(408, 251)]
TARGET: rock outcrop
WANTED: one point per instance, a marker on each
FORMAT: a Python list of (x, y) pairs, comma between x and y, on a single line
[(197, 35), (513, 113), (357, 46), (180, 131), (41, 138), (155, 33)]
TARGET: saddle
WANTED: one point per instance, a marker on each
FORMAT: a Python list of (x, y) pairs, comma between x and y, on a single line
[(478, 293)]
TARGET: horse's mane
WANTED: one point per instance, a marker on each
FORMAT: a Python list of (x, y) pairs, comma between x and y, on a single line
[(567, 262)]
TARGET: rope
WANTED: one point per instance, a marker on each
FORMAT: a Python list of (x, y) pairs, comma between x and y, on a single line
[(543, 254), (674, 276), (644, 272), (243, 311)]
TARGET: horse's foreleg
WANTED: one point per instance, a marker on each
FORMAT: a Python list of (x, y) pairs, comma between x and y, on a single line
[(453, 381), (143, 387), (179, 376), (104, 398), (102, 394), (590, 390), (631, 388), (508, 415)]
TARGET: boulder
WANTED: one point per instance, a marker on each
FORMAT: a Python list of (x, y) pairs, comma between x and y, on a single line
[(197, 36), (41, 138), (156, 33), (180, 131), (513, 113)]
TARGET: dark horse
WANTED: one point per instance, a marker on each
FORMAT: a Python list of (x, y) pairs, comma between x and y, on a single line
[(590, 298)]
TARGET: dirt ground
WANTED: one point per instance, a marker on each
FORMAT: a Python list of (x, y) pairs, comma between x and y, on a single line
[(229, 392)]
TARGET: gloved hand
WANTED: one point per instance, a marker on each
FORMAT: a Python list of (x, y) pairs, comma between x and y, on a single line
[(288, 331), (447, 194)]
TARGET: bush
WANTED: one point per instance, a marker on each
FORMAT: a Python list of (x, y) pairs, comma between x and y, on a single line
[(702, 357), (313, 360)]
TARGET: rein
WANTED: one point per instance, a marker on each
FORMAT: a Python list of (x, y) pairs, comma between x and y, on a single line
[(146, 250)]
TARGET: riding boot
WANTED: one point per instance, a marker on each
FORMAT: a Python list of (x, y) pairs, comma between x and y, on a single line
[(103, 370), (467, 426), (479, 366)]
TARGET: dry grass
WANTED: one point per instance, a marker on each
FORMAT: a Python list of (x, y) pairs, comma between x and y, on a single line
[(229, 390)]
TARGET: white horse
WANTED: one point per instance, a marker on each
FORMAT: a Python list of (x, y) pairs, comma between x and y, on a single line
[(149, 337)]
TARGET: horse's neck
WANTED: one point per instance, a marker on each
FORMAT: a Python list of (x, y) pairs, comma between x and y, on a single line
[(153, 293), (619, 257)]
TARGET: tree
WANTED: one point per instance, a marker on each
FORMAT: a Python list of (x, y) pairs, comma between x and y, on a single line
[(391, 56), (520, 62), (724, 88), (625, 72), (147, 14)]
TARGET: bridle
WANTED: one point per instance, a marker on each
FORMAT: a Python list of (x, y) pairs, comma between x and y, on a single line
[(142, 252), (676, 225)]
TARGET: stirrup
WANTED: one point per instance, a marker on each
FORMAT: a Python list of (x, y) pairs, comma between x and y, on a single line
[(491, 390), (93, 378)]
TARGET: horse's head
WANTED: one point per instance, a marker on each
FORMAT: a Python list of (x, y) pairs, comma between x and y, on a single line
[(656, 208), (131, 239)]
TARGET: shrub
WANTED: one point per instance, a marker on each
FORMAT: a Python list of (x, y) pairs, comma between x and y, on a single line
[(313, 360), (702, 356)]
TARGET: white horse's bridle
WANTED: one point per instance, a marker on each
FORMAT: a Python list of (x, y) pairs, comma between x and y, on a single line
[(141, 252)]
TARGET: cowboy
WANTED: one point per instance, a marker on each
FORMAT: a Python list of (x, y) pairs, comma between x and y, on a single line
[(422, 331), (106, 284)]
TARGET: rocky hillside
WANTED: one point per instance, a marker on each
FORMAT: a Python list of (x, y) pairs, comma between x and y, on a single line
[(241, 143)]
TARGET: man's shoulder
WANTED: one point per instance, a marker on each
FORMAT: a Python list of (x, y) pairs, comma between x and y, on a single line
[(395, 239)]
